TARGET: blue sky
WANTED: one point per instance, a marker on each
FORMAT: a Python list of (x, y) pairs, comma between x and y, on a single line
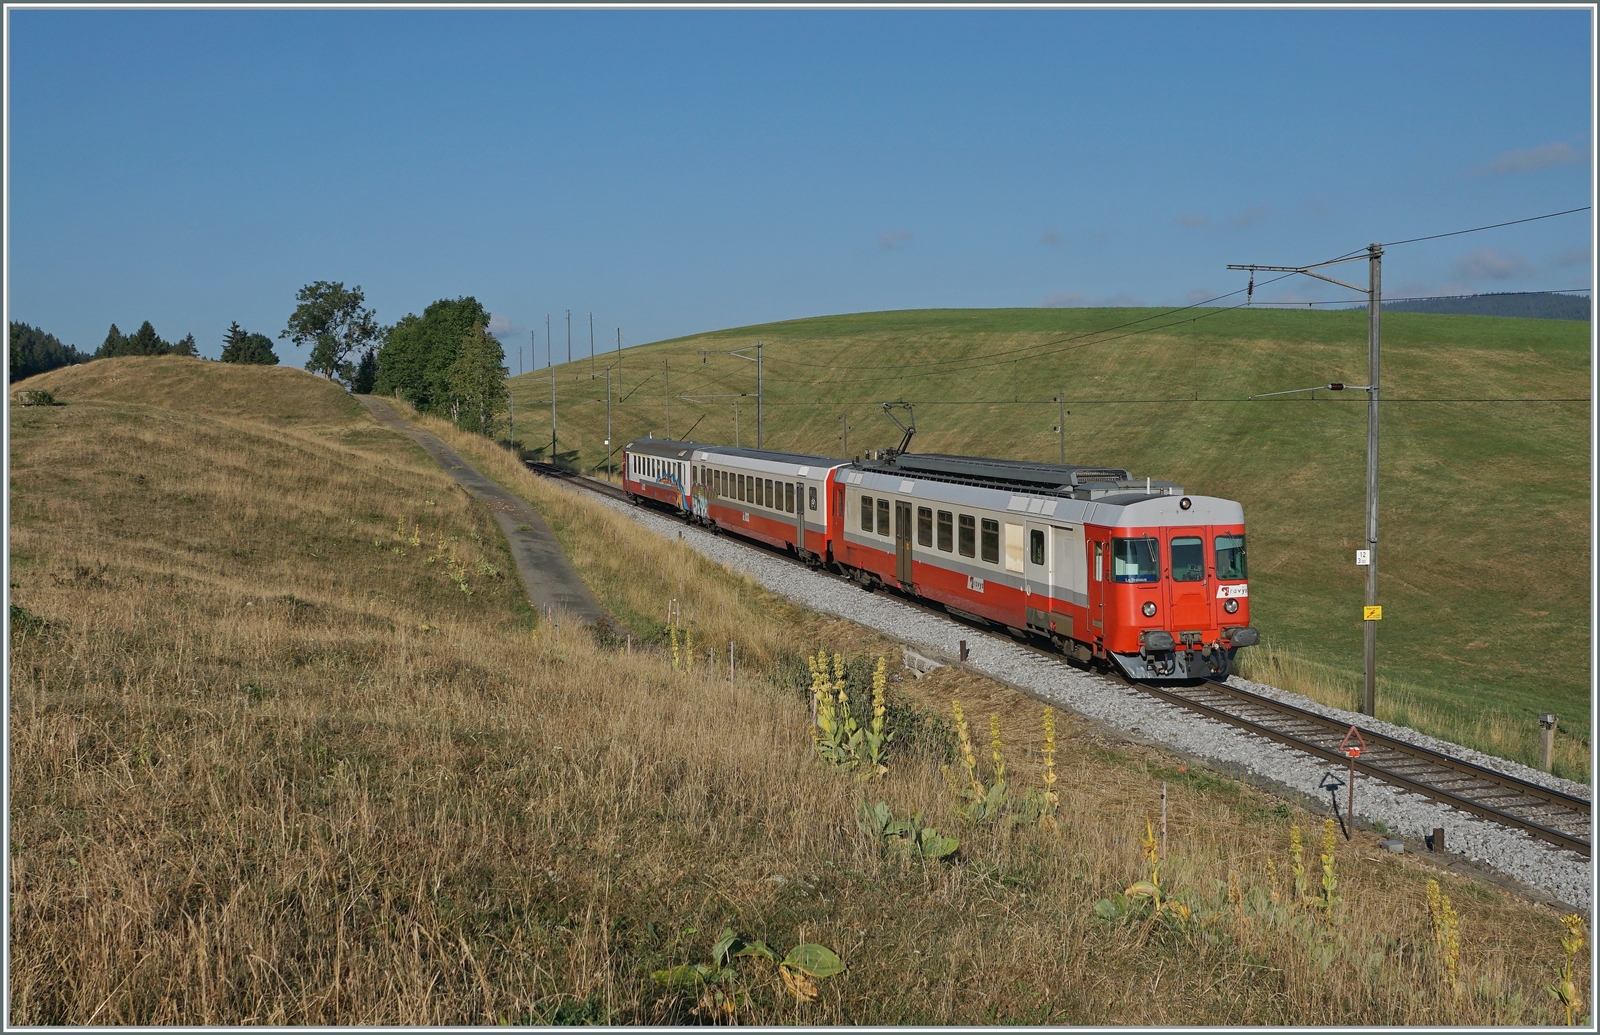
[(680, 171)]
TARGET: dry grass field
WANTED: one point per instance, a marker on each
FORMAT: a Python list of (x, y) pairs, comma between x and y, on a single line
[(287, 746)]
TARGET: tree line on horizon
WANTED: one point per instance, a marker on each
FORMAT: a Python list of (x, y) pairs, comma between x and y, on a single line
[(444, 362)]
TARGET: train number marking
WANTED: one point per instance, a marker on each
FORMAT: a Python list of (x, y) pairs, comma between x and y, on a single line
[(1224, 592), (974, 583)]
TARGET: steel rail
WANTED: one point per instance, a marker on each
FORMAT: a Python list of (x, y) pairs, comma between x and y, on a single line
[(1377, 743), (1429, 790), (1382, 741)]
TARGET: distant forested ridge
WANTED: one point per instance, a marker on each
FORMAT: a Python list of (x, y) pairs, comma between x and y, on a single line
[(1539, 305), (33, 352)]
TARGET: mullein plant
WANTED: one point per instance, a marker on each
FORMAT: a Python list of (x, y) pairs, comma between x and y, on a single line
[(1150, 889), (831, 704), (1297, 864), (1566, 988), (985, 802), (1039, 806), (1446, 933), (1329, 879), (874, 747)]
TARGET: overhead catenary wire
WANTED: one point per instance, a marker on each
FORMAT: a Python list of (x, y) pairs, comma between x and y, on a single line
[(1425, 298), (1491, 226)]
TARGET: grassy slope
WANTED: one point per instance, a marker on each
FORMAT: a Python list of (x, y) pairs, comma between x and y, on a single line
[(1483, 515), (269, 765)]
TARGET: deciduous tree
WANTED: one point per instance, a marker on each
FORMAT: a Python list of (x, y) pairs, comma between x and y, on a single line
[(417, 352), (335, 323), (478, 382)]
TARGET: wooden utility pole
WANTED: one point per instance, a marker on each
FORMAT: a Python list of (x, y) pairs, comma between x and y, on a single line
[(666, 374), (591, 346)]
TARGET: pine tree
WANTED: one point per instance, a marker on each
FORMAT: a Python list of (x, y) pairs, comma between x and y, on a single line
[(146, 342), (33, 351), (116, 344), (186, 347), (366, 373), (233, 343)]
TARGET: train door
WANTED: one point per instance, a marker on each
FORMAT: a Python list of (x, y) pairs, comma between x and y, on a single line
[(1068, 577), (1189, 580), (800, 517), (1099, 561), (902, 541), (1037, 563)]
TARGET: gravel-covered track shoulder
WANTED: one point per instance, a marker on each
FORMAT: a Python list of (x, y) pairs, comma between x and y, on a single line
[(1548, 814)]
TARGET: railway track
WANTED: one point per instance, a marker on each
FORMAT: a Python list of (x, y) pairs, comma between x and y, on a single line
[(1547, 814)]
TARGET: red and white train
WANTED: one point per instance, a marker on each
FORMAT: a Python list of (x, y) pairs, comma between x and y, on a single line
[(1107, 567)]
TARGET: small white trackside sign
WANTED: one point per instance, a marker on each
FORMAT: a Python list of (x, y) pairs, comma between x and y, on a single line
[(1224, 592)]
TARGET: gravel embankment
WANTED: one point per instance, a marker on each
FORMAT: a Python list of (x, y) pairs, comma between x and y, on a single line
[(1564, 875)]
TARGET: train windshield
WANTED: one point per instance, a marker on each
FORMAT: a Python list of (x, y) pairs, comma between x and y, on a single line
[(1188, 559), (1134, 560), (1230, 557)]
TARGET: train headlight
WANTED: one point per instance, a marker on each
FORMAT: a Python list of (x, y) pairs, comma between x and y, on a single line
[(1150, 608), (1231, 605), (1185, 503)]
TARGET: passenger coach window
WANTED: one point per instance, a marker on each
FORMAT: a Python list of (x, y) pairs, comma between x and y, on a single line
[(924, 526), (866, 513), (1230, 557), (1135, 560), (1036, 545), (1188, 559), (767, 484), (945, 536), (991, 540), (969, 536), (788, 497), (811, 495), (883, 516)]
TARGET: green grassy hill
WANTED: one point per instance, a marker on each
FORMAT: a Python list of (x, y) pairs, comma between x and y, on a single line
[(1483, 519)]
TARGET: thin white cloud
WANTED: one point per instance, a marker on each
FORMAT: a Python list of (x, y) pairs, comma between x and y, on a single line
[(1050, 237), (1314, 207), (894, 239), (1193, 220), (1573, 257), (1529, 158), (1491, 264), (1200, 294), (1250, 216)]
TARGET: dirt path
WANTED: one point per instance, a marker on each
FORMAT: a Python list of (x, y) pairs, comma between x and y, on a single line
[(548, 578)]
